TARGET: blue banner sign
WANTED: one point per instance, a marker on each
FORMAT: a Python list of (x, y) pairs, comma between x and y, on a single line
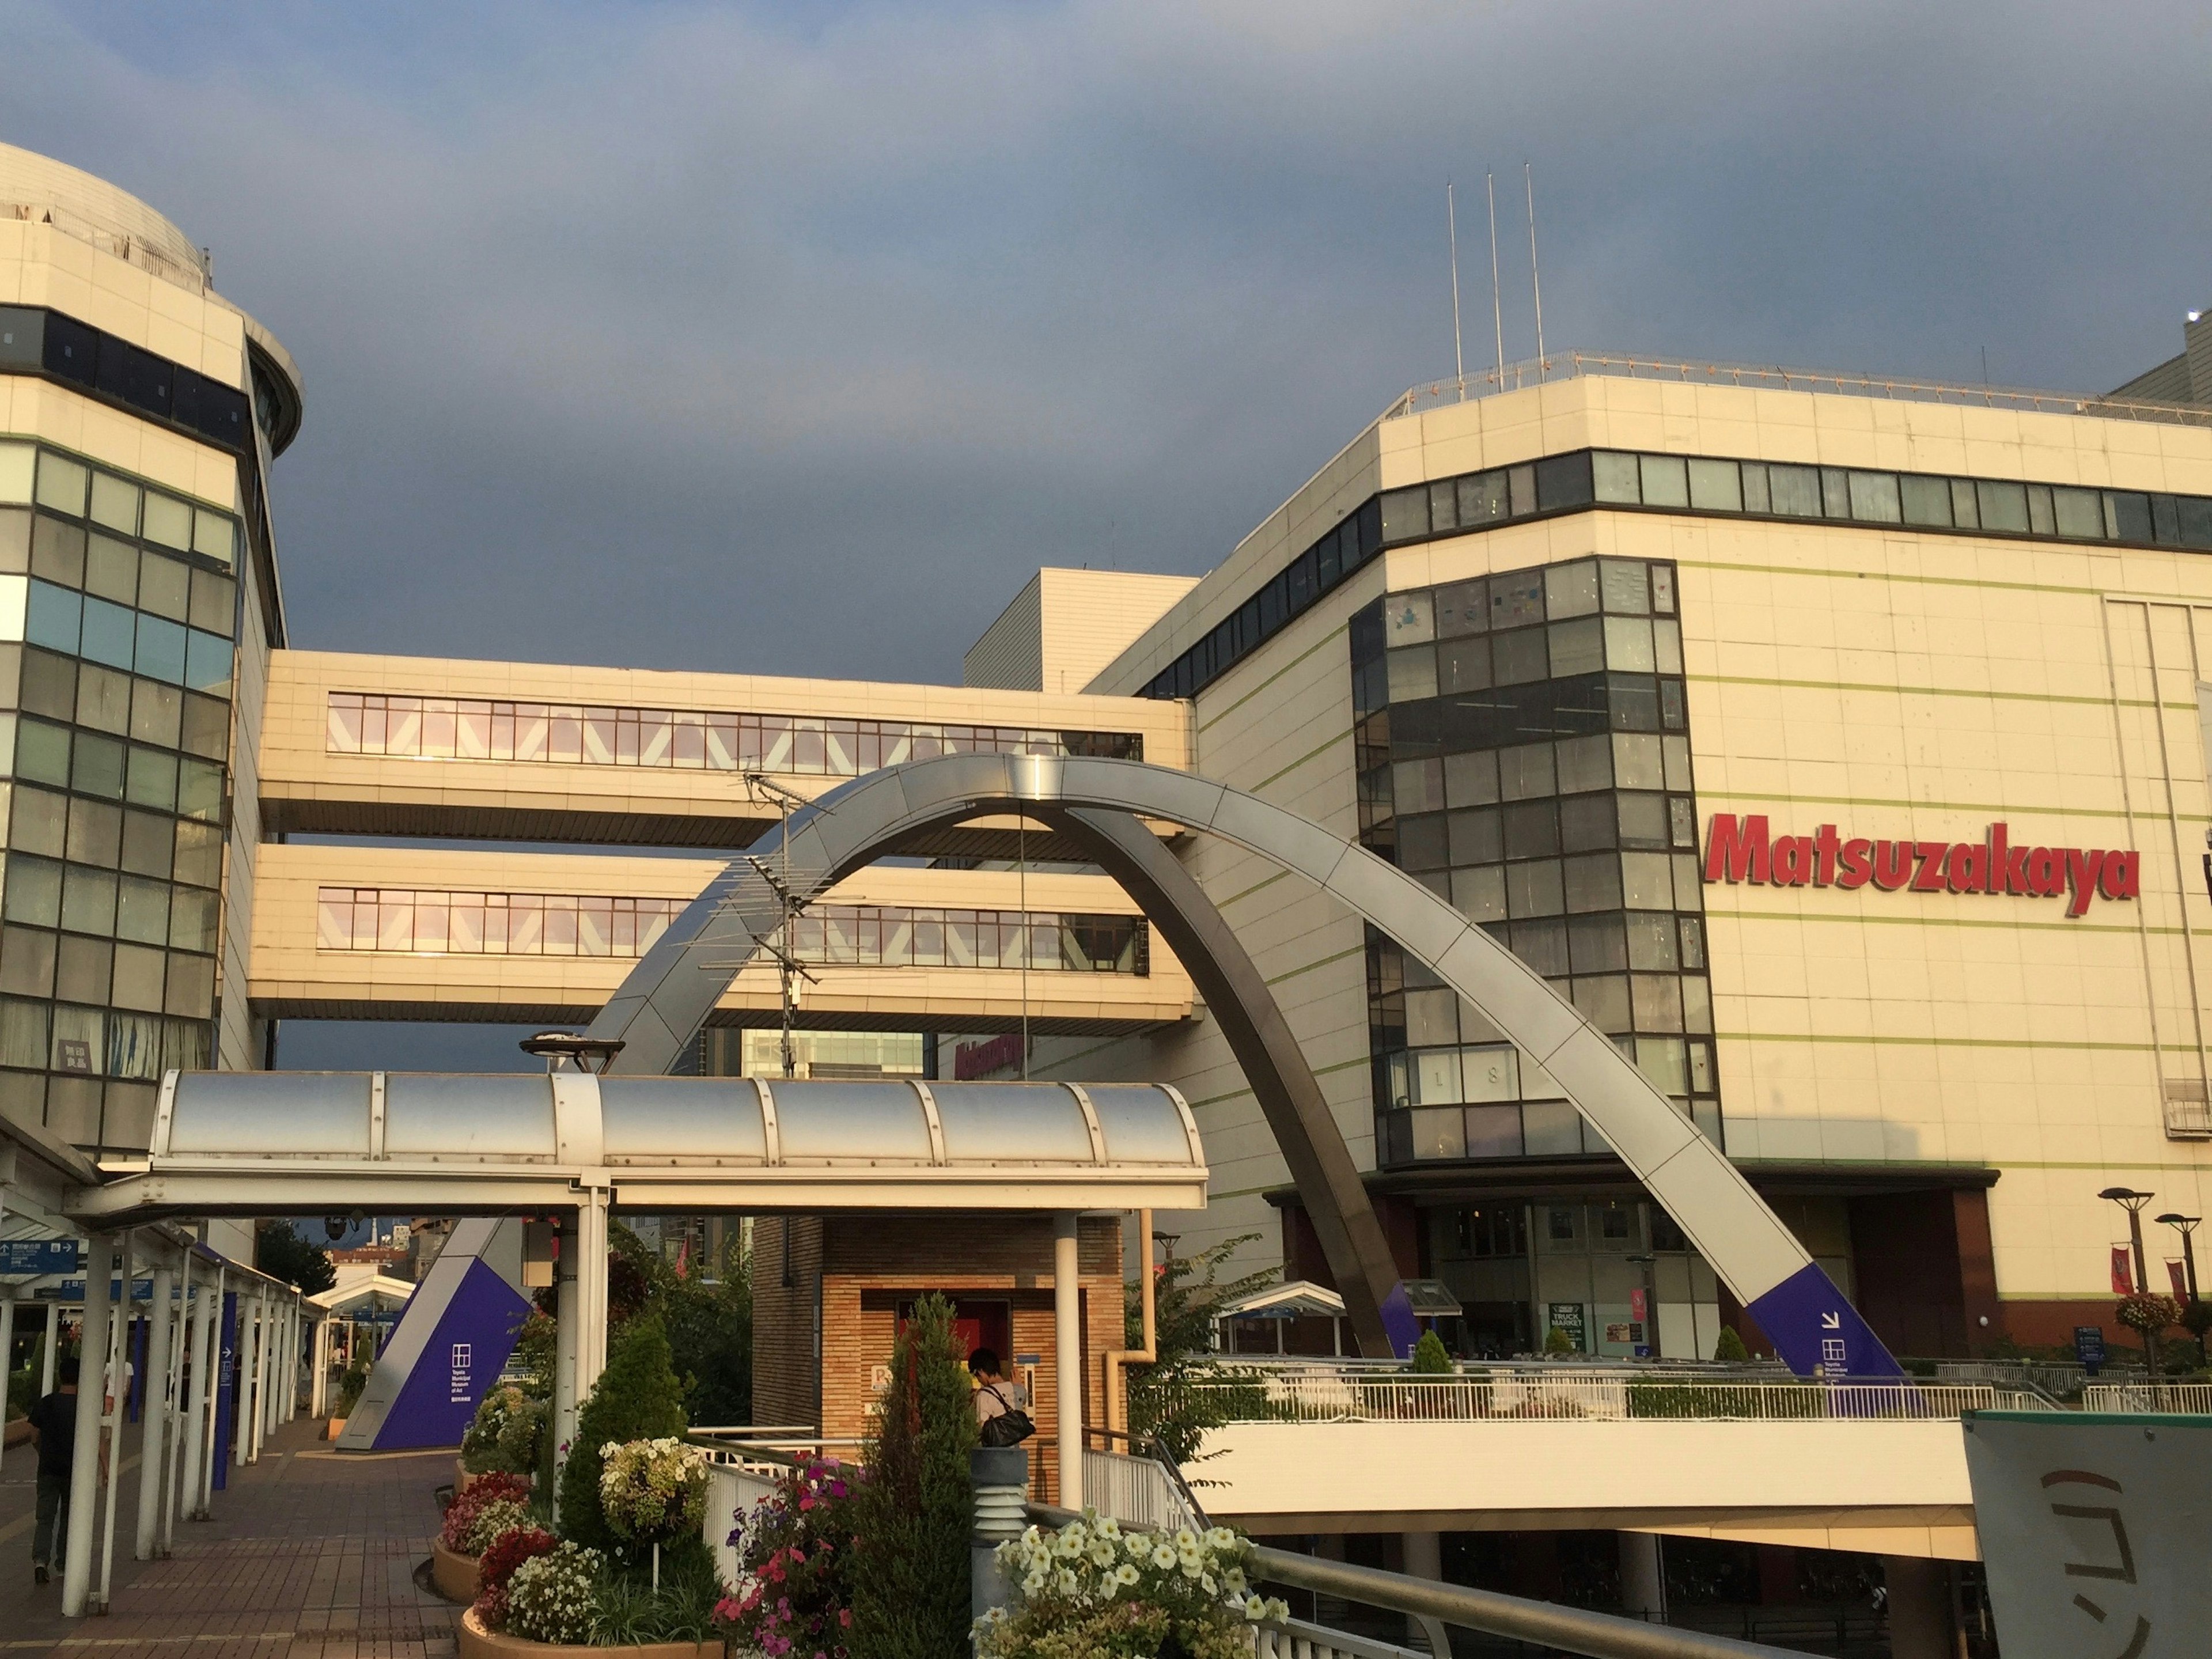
[(38, 1256)]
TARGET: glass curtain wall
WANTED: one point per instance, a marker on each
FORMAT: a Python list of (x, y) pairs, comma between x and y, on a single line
[(118, 612), (1523, 750)]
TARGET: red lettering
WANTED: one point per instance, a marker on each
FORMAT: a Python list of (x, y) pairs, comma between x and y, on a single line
[(2081, 870), (1736, 849), (1893, 864), (1966, 867), (2007, 863), (1855, 866), (1793, 860), (2046, 872), (2122, 876), (1824, 847), (1928, 878)]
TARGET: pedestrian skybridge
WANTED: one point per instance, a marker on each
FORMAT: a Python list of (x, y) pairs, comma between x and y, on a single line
[(277, 1143)]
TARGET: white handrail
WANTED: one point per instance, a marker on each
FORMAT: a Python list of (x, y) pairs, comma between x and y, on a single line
[(1347, 1396)]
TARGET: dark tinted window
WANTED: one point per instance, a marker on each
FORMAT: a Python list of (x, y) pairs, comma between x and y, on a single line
[(71, 349), (22, 336), (138, 378)]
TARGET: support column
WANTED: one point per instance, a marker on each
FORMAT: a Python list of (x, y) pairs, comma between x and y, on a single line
[(591, 1291), (173, 1487), (1424, 1556), (84, 1449), (242, 1410), (265, 1331), (7, 1334), (153, 1440), (119, 1357), (568, 1315), (53, 1341), (1919, 1606), (319, 1363), (1068, 1358), (1643, 1578), (206, 1385)]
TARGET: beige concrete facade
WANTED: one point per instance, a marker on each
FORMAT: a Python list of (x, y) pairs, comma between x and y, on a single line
[(1066, 625), (294, 977), (1892, 682)]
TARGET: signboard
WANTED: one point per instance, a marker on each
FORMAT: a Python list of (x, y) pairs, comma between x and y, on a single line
[(1744, 849), (2093, 1530), (1568, 1316), (38, 1256), (2089, 1348), (1637, 1310), (1631, 1334), (2123, 1272)]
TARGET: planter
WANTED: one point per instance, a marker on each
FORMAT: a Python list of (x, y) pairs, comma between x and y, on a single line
[(336, 1428), (478, 1642), (454, 1574), (463, 1480), (18, 1430)]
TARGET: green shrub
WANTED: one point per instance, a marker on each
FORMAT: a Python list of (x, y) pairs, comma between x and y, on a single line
[(1430, 1357), (630, 1611), (349, 1388), (503, 1434), (1731, 1347), (1556, 1341), (554, 1597), (636, 1398), (916, 1508)]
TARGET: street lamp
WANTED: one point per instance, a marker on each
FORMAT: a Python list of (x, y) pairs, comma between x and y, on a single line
[(2133, 1202), (2186, 1224)]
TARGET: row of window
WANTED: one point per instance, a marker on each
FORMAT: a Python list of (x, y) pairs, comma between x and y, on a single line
[(1675, 483), (98, 1042), (34, 962), (143, 578), (114, 1117), (103, 501), (38, 341), (98, 630), (1501, 1232), (39, 751), (1527, 771), (460, 728), (1526, 1129), (1546, 828), (566, 925)]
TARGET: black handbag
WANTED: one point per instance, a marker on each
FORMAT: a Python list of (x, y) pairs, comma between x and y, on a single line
[(1009, 1428)]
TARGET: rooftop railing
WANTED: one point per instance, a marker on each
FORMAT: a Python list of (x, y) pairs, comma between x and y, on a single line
[(1312, 1394), (1577, 365), (2187, 1399)]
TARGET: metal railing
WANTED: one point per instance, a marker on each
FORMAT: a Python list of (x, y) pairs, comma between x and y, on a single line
[(1312, 1395), (1139, 1492), (1298, 1638), (1576, 365), (1432, 1603), (2188, 1399)]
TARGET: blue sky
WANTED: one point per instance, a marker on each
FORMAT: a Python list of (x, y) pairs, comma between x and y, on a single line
[(789, 338)]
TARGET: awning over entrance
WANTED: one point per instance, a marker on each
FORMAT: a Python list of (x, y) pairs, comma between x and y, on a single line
[(276, 1143)]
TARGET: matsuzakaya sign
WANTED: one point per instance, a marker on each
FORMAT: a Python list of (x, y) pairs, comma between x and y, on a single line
[(1744, 849)]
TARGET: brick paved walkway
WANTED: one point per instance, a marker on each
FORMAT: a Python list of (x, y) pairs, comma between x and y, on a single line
[(311, 1555)]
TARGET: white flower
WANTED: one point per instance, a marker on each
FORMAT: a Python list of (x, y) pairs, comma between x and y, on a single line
[(1205, 1583), (1220, 1538), (1163, 1556), (1234, 1578), (1107, 1526), (1125, 1574), (1102, 1555), (1034, 1585), (1066, 1583), (1186, 1539), (1255, 1609), (1139, 1544)]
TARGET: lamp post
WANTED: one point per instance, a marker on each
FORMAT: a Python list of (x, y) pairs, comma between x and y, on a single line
[(2186, 1224), (2133, 1202)]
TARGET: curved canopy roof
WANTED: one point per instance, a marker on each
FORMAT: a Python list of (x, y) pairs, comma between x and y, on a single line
[(299, 1142)]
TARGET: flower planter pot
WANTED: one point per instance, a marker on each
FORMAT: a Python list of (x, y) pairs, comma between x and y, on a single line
[(336, 1428), (463, 1480), (478, 1642), (454, 1574)]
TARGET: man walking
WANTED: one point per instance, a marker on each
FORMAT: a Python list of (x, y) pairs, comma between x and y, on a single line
[(53, 1431)]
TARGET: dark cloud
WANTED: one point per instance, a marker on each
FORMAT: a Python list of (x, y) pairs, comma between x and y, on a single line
[(788, 339)]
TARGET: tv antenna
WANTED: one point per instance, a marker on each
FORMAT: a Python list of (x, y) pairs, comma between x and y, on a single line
[(1497, 303), (1451, 226), (1535, 282)]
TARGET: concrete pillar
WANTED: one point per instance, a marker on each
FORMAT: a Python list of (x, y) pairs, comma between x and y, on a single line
[(263, 1372), (568, 1312), (1068, 1356), (119, 1333), (319, 1365), (53, 1345), (7, 1334), (1642, 1576), (181, 1343), (1424, 1556), (242, 1409), (1919, 1606), (153, 1442), (84, 1450)]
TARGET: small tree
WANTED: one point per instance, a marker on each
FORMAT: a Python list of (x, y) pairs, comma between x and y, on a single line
[(2196, 1320), (636, 1398), (1731, 1347), (281, 1253), (1189, 1293), (911, 1592), (1429, 1359), (2147, 1313), (1558, 1341)]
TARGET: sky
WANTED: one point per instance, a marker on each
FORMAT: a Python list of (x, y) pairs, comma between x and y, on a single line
[(789, 339)]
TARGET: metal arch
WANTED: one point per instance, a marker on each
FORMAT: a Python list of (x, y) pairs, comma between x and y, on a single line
[(668, 995)]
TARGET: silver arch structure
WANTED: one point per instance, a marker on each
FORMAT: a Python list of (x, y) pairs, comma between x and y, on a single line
[(667, 997)]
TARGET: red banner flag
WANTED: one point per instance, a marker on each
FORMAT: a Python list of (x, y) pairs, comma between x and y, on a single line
[(2179, 1275), (2124, 1277)]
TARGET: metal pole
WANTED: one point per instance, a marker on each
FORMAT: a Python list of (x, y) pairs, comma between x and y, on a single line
[(591, 1291), (265, 1328), (185, 1496), (206, 1385), (84, 1451), (1067, 1356), (53, 1343), (242, 1412), (119, 1354), (7, 1337), (153, 1440), (568, 1315)]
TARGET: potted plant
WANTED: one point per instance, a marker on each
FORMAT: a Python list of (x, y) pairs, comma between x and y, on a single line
[(478, 1513), (652, 1492), (1091, 1588)]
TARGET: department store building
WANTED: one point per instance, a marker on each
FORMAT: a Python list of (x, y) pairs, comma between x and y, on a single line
[(1838, 747)]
